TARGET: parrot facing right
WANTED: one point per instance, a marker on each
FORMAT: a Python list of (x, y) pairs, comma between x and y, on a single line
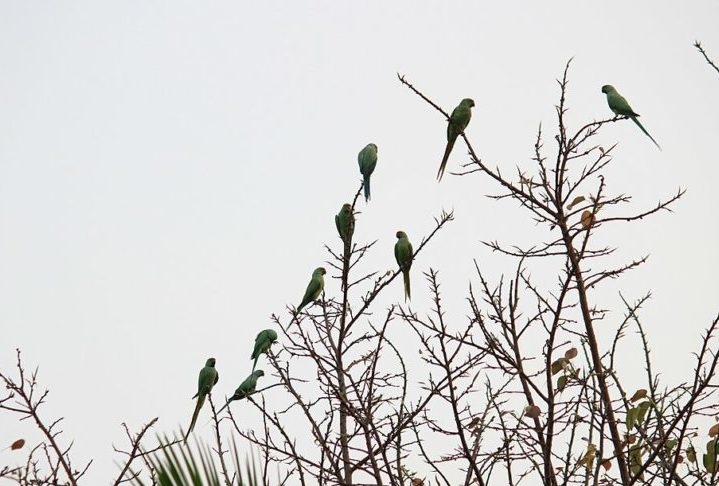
[(314, 288), (263, 341), (367, 159), (403, 253), (246, 388), (620, 106), (345, 222), (207, 379), (458, 121)]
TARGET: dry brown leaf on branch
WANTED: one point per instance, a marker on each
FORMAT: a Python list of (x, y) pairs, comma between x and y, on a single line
[(587, 219), (532, 411), (638, 395)]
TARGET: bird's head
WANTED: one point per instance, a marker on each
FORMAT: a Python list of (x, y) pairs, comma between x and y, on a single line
[(258, 373), (210, 362), (608, 88), (401, 234), (347, 207), (272, 335), (373, 146), (319, 271), (467, 102)]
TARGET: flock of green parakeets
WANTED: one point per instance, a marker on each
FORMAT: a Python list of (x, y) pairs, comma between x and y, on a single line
[(209, 376), (345, 222)]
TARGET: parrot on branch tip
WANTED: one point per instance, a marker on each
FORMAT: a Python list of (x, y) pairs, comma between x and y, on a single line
[(620, 106), (345, 223), (207, 379), (367, 159), (263, 341)]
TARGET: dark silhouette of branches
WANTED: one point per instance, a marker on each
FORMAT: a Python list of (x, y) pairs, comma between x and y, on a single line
[(701, 50), (127, 475), (577, 421), (530, 387), (25, 399)]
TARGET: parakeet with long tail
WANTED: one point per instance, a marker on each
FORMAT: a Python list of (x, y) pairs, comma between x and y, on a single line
[(367, 159), (403, 253), (458, 121), (263, 342), (620, 106), (247, 387), (314, 288), (207, 379), (345, 222)]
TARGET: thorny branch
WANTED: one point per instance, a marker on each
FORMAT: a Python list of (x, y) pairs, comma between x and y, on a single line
[(699, 47)]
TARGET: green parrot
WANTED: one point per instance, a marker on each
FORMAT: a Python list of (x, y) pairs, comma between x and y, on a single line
[(246, 388), (345, 222), (403, 253), (367, 159), (619, 105), (458, 121), (314, 288), (208, 378), (263, 341)]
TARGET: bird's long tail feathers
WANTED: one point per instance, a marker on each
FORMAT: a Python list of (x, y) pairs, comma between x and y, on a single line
[(447, 151), (365, 184), (636, 120), (302, 304), (407, 291), (223, 407), (200, 402), (255, 363)]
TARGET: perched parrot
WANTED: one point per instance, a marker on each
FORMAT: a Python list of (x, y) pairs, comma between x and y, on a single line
[(619, 105), (208, 378), (458, 121), (403, 253), (367, 159), (247, 387), (314, 288), (263, 341), (345, 222)]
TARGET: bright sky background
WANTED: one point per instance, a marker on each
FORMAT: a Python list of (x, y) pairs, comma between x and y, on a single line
[(169, 172)]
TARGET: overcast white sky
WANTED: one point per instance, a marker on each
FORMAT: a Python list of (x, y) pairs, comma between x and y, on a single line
[(169, 172)]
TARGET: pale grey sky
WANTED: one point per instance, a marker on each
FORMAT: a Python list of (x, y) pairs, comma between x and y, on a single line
[(169, 172)]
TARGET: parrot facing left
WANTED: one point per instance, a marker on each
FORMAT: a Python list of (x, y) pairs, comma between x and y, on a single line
[(458, 121), (247, 387), (263, 341), (403, 253), (367, 159), (207, 379), (620, 106)]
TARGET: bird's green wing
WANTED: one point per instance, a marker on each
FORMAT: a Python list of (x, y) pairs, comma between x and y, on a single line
[(619, 105), (263, 341), (458, 121), (314, 289), (367, 159), (403, 254), (344, 221), (207, 379)]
